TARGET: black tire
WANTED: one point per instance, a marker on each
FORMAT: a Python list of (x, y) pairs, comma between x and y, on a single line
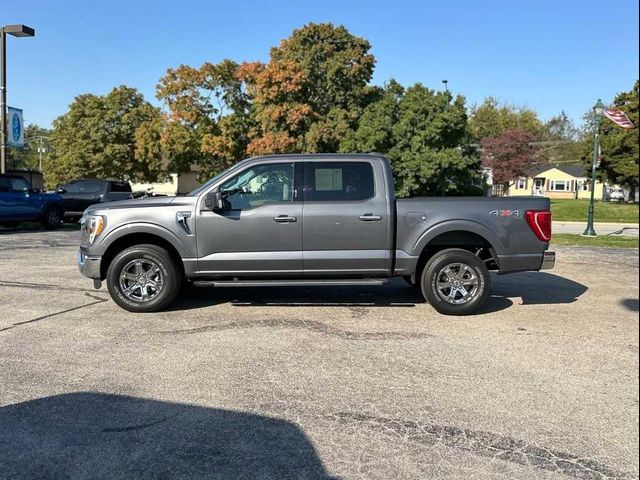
[(171, 278), (52, 217), (434, 273)]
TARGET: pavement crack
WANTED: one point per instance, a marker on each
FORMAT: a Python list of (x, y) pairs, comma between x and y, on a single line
[(45, 317), (311, 325), (485, 444)]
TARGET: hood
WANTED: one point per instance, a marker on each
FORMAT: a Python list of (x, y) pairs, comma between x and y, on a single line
[(141, 202)]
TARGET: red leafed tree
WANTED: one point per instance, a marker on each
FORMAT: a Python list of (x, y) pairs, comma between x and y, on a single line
[(509, 155)]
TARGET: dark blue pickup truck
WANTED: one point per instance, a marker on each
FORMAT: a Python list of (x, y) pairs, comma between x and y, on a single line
[(19, 203)]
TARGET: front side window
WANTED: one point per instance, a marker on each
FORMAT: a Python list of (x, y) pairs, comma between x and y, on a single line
[(259, 185), (20, 185), (340, 181)]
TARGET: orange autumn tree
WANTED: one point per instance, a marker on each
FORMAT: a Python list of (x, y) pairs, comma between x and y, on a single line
[(312, 90), (306, 98)]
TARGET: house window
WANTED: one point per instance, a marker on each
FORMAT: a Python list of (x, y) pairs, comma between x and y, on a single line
[(560, 185), (582, 185), (522, 183)]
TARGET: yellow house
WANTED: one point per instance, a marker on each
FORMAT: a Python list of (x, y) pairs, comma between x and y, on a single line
[(560, 181)]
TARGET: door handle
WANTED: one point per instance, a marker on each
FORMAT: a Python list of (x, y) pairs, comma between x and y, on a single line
[(284, 219), (370, 217)]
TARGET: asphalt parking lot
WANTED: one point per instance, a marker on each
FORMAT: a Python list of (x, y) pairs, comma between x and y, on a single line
[(353, 383)]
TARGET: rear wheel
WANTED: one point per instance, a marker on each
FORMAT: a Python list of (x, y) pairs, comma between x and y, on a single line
[(143, 278), (52, 217), (455, 282)]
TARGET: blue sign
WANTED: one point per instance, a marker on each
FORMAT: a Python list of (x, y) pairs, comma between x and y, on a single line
[(16, 127)]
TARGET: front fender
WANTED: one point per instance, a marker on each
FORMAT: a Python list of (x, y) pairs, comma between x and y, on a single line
[(185, 251), (499, 244)]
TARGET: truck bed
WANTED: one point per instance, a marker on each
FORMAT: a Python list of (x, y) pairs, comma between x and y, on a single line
[(498, 221)]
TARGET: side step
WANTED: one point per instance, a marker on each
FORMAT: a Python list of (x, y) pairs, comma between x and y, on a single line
[(290, 283)]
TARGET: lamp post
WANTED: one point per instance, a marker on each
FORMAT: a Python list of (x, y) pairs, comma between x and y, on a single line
[(16, 31), (598, 109), (446, 85)]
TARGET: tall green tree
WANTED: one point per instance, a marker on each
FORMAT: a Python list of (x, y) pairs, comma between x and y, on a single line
[(28, 157), (492, 118), (424, 133), (619, 145), (97, 138), (561, 142)]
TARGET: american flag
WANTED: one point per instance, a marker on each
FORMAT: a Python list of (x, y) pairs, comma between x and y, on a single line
[(619, 118)]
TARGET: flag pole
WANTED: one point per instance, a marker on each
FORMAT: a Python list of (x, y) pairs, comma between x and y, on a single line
[(597, 109)]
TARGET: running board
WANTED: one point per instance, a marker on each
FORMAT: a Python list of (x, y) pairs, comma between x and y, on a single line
[(290, 283)]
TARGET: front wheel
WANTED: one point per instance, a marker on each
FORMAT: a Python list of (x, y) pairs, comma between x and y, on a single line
[(52, 217), (455, 282), (143, 278)]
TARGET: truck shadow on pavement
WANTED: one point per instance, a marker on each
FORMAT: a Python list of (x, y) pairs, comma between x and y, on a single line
[(533, 287), (96, 435)]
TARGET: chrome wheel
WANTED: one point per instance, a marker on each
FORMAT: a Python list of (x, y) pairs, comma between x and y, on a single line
[(457, 283), (141, 280)]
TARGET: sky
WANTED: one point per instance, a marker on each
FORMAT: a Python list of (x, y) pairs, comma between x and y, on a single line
[(546, 55)]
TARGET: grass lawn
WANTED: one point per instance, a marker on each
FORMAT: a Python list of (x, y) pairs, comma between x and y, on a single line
[(576, 211), (601, 241)]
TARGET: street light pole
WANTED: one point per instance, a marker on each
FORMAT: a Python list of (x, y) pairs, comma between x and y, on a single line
[(16, 31), (3, 101), (598, 108)]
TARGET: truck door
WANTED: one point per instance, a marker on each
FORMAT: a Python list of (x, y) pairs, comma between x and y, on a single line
[(345, 226), (259, 232), (15, 199)]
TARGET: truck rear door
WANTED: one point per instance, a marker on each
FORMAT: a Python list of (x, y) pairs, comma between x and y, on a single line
[(346, 225)]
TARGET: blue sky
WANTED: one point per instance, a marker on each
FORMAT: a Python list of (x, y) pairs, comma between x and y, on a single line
[(548, 55)]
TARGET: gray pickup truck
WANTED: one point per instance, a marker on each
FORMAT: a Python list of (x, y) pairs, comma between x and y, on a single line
[(311, 220)]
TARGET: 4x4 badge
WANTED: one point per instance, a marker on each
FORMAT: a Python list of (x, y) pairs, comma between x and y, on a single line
[(506, 213)]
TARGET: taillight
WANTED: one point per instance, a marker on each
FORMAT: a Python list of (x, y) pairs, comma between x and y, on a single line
[(540, 222)]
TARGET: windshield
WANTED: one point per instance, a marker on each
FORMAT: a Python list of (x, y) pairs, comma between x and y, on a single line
[(206, 185)]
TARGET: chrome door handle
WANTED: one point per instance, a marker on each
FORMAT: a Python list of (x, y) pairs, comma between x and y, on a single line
[(284, 219), (370, 217)]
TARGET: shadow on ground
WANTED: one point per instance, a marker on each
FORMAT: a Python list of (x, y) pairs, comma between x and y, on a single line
[(532, 287), (630, 304), (95, 435)]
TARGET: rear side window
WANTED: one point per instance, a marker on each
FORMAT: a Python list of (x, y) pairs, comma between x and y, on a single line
[(5, 185), (339, 181), (84, 186), (120, 187)]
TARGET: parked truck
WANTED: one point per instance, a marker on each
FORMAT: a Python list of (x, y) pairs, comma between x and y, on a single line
[(311, 220)]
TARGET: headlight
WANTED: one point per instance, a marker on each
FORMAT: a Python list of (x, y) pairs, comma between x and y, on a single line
[(90, 227)]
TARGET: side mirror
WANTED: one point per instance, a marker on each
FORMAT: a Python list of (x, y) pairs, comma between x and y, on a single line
[(214, 201)]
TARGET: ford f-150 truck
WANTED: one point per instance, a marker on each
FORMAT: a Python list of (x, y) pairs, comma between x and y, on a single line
[(311, 220)]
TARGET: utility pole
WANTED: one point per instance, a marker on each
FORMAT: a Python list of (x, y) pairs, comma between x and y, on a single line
[(16, 31)]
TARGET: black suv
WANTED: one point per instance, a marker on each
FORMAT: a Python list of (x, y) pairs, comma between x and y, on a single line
[(79, 194)]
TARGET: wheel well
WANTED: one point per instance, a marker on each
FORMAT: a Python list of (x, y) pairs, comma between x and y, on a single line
[(138, 239), (474, 243)]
